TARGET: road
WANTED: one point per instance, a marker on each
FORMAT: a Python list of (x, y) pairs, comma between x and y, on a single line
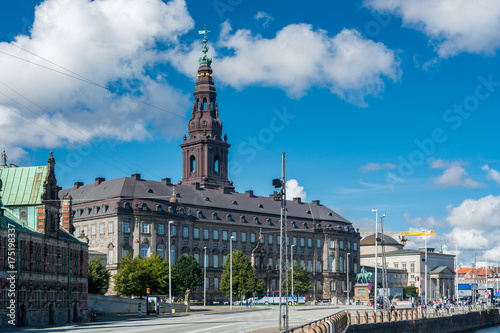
[(204, 320)]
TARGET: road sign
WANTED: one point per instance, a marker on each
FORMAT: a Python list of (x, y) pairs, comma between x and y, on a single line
[(370, 287), (420, 278)]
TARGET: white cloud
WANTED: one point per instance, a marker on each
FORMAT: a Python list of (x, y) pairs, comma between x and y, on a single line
[(111, 42), (437, 163), (481, 214), (455, 176), (424, 222), (469, 238), (492, 173), (293, 190), (453, 26), (377, 166), (298, 58), (265, 17)]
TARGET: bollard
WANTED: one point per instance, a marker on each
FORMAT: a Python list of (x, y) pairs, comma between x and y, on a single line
[(387, 316), (356, 318), (372, 317), (365, 317), (405, 315), (393, 316)]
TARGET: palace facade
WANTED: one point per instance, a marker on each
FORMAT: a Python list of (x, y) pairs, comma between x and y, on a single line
[(203, 211)]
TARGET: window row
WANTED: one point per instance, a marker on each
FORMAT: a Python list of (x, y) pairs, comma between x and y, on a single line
[(89, 210), (331, 245), (93, 229)]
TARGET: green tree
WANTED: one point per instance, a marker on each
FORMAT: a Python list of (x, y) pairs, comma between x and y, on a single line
[(189, 276), (98, 277), (133, 277), (158, 269), (302, 281), (244, 280), (409, 290)]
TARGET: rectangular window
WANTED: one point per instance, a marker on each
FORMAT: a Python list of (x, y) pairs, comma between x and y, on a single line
[(412, 267), (341, 244), (216, 235), (404, 266), (93, 229), (110, 257), (252, 238), (301, 241), (309, 242), (224, 258), (197, 257), (161, 229), (396, 265), (318, 243), (355, 267), (243, 237), (270, 239), (205, 233), (111, 227), (348, 245), (233, 235), (309, 266), (318, 266), (262, 240), (196, 233), (294, 241), (216, 260), (77, 231), (145, 228), (271, 262), (303, 264), (185, 232), (125, 252), (101, 228), (224, 235), (331, 244), (355, 246), (172, 230)]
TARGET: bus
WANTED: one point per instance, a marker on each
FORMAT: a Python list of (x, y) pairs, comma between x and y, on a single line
[(273, 298)]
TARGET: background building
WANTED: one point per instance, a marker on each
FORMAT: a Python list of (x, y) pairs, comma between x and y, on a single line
[(49, 264), (440, 268), (132, 215)]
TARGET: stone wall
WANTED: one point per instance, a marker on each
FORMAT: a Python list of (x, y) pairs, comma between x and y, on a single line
[(447, 324), (109, 305)]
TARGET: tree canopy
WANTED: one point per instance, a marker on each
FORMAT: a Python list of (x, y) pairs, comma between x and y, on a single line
[(302, 281), (98, 277), (136, 275), (189, 276), (244, 280)]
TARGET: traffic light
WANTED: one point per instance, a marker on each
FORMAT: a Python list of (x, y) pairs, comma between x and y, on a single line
[(417, 291)]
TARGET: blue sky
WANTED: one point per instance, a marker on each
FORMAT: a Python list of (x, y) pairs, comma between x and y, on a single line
[(376, 103)]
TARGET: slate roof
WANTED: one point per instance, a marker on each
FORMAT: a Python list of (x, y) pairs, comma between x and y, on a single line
[(23, 186), (132, 188)]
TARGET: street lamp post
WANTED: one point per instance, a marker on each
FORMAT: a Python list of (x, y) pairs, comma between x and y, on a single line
[(205, 276), (169, 268), (291, 253), (486, 274), (456, 271), (426, 291), (231, 271), (348, 289), (376, 258)]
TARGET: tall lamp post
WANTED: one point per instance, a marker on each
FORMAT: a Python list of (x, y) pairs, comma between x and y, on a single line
[(376, 257), (231, 271), (205, 276), (291, 253), (169, 268), (486, 273), (456, 271), (348, 288), (425, 275)]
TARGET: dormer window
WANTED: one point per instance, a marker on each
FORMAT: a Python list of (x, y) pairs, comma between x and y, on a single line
[(199, 214), (235, 202), (104, 208), (159, 208), (269, 222), (96, 209), (215, 216), (127, 205), (228, 217), (256, 220), (87, 211), (144, 207)]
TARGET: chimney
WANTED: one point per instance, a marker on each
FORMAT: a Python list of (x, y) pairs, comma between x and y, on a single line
[(249, 193), (196, 185), (77, 185), (67, 214), (99, 180), (166, 181), (136, 176), (316, 202), (297, 200)]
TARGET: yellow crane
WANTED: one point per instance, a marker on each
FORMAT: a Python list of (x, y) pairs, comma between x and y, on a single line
[(402, 235)]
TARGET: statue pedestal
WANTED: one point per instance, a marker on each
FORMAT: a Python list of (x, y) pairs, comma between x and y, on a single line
[(362, 293)]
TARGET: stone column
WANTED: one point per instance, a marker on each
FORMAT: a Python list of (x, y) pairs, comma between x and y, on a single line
[(336, 262), (137, 238), (152, 231)]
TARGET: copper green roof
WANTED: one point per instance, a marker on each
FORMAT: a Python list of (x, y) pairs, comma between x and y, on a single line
[(9, 220), (22, 186)]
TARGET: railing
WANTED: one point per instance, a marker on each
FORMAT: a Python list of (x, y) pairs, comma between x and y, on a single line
[(336, 323)]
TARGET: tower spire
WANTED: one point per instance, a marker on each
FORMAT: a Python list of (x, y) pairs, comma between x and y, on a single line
[(205, 153)]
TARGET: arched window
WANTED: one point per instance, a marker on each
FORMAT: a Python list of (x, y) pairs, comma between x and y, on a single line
[(216, 166), (330, 264), (144, 250), (127, 205), (159, 250), (192, 165), (204, 104), (144, 207), (216, 283), (172, 254), (212, 104), (159, 209)]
